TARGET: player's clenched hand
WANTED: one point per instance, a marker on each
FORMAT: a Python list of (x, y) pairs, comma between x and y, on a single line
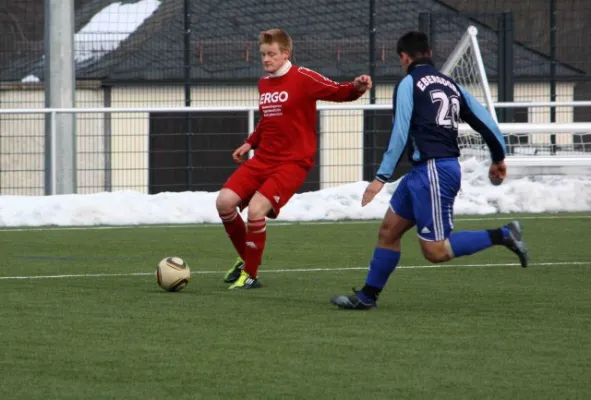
[(497, 172), (240, 151), (362, 83), (371, 191)]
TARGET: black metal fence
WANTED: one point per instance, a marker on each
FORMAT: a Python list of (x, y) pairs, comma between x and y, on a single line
[(205, 53), (190, 43)]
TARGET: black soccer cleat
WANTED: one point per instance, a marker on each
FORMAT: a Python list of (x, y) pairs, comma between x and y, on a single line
[(353, 302), (514, 242)]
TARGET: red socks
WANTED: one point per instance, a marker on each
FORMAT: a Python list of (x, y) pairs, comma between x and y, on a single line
[(249, 244), (256, 236), (236, 230)]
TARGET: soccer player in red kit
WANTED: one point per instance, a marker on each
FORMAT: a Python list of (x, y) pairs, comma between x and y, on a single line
[(285, 143)]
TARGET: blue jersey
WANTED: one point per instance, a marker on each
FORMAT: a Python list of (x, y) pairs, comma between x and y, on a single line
[(428, 106)]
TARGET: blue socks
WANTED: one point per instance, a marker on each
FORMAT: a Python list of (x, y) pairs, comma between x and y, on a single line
[(464, 243), (383, 263)]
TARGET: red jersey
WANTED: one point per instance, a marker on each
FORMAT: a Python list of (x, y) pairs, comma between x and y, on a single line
[(287, 127)]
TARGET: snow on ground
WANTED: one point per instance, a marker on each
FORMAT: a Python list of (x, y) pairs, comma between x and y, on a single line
[(478, 196)]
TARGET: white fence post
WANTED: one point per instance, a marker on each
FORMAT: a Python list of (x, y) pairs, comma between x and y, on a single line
[(250, 128)]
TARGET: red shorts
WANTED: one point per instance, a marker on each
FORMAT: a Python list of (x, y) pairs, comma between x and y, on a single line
[(277, 182)]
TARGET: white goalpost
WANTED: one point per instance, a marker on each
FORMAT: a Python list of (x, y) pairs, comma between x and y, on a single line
[(466, 66)]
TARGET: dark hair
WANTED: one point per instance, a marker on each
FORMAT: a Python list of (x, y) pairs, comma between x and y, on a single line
[(415, 44)]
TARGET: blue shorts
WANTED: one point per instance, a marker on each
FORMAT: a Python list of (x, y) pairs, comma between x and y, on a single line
[(426, 196)]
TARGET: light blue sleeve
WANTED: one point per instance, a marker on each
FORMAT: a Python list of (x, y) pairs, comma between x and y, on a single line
[(403, 108), (482, 122)]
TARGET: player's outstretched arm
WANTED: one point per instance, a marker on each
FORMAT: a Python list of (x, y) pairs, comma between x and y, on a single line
[(321, 88), (497, 172), (362, 83), (371, 191), (403, 105), (475, 115), (479, 119), (255, 137), (402, 108), (240, 152), (251, 142)]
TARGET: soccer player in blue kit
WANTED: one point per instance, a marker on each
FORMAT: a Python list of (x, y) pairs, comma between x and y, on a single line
[(428, 106)]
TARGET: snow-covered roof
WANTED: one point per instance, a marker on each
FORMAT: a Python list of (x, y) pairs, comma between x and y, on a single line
[(143, 40), (109, 27)]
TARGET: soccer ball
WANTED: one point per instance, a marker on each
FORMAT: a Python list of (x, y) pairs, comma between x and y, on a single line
[(173, 274)]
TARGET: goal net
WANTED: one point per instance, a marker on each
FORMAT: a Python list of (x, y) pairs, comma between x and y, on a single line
[(466, 67), (571, 156)]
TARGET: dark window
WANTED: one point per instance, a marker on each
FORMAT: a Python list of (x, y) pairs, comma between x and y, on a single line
[(521, 114), (376, 137), (193, 151), (582, 142)]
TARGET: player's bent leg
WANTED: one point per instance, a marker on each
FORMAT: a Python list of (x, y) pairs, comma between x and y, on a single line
[(434, 193), (259, 207), (227, 204), (385, 259), (227, 201), (256, 237), (464, 243), (436, 251), (392, 228)]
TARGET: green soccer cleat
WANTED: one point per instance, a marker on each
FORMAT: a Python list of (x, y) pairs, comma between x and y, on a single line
[(234, 273), (245, 281)]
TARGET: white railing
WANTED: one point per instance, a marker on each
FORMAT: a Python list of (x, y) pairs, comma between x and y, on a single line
[(535, 104), (574, 127), (508, 128), (515, 128), (515, 104)]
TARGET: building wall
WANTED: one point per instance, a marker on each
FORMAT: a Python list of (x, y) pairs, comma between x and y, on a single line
[(130, 131), (22, 137), (541, 92), (341, 136), (22, 143)]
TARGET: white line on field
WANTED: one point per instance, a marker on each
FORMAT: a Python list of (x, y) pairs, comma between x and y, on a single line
[(429, 266), (285, 223)]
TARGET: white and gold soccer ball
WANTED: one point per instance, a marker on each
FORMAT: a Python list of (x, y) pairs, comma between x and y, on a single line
[(173, 274)]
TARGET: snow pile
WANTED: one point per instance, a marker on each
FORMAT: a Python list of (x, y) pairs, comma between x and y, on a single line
[(478, 196)]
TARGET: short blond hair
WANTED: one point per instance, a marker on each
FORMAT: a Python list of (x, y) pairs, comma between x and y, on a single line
[(278, 36)]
